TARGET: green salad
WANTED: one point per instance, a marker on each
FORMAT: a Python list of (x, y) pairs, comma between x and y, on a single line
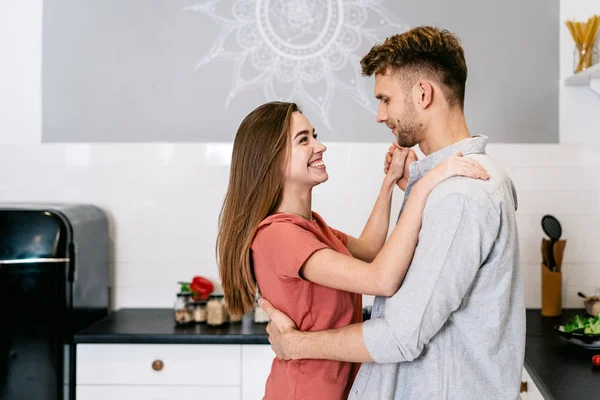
[(590, 326)]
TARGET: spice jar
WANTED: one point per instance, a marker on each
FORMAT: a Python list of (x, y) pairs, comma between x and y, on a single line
[(199, 310), (183, 310), (216, 313)]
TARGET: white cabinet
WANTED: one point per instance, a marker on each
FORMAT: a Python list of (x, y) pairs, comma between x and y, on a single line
[(90, 392), (528, 389), (256, 367), (172, 371)]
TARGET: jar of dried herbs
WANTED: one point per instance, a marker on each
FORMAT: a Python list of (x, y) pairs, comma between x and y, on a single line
[(216, 313), (183, 309), (199, 310)]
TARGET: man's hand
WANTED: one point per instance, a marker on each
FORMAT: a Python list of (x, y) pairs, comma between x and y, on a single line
[(281, 330)]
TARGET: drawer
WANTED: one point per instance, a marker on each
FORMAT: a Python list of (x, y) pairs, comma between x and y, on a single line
[(132, 364), (157, 392)]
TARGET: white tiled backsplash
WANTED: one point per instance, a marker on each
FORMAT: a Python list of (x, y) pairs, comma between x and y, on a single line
[(163, 201)]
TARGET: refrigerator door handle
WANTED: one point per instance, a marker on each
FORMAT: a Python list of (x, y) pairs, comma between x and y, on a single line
[(34, 260)]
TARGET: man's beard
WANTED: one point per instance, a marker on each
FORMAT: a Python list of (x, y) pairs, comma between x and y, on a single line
[(409, 127), (407, 136)]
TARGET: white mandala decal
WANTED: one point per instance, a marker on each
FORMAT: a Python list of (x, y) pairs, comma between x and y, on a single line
[(301, 50)]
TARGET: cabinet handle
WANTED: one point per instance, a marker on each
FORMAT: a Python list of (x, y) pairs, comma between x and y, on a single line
[(158, 365), (523, 387)]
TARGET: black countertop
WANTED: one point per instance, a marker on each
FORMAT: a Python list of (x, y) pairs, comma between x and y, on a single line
[(560, 370), (156, 325)]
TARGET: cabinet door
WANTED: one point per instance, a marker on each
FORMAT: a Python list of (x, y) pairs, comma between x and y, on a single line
[(158, 364), (90, 392), (528, 389), (256, 367)]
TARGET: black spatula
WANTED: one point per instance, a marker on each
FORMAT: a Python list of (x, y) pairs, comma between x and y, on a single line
[(552, 228)]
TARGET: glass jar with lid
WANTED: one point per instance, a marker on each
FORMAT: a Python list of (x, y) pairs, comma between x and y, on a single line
[(216, 314), (183, 309), (199, 310)]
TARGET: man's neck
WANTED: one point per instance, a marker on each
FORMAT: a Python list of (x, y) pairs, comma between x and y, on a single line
[(444, 131)]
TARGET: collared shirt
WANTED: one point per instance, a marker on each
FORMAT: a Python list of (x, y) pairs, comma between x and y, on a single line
[(459, 316)]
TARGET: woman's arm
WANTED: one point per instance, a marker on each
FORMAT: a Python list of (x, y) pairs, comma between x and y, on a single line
[(384, 275), (373, 236)]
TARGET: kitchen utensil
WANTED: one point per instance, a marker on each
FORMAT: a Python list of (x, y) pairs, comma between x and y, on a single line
[(589, 298), (545, 251), (552, 228)]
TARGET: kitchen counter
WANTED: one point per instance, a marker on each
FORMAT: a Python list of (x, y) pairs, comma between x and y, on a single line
[(156, 325), (560, 370)]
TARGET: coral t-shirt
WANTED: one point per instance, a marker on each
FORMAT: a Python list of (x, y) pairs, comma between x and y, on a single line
[(280, 248)]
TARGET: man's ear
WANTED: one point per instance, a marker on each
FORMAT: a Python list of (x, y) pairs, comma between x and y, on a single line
[(423, 94)]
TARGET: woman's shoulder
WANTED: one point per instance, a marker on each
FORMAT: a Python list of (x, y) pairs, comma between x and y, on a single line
[(279, 227), (284, 224)]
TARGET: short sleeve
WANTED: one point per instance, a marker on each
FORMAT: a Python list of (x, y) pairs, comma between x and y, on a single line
[(285, 247), (341, 236)]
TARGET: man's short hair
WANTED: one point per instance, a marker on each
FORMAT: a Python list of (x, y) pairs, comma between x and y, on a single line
[(423, 51)]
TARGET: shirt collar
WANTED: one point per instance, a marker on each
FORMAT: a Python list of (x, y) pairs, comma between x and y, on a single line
[(472, 145)]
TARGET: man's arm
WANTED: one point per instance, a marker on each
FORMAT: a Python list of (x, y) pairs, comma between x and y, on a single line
[(288, 343), (456, 237)]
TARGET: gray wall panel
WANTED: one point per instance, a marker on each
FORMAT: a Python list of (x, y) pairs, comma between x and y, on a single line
[(128, 70)]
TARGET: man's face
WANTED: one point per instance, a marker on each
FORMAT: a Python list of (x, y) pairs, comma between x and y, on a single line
[(397, 109)]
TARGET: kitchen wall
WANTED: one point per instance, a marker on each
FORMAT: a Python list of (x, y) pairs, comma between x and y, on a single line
[(190, 70), (578, 106), (163, 198)]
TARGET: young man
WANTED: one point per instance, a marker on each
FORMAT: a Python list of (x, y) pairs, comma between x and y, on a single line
[(456, 327)]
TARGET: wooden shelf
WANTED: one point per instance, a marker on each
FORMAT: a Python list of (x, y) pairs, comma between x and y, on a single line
[(589, 77)]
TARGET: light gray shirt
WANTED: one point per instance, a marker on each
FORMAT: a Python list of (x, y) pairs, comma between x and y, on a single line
[(459, 316)]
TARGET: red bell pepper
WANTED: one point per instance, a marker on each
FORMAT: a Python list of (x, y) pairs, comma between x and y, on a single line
[(201, 287)]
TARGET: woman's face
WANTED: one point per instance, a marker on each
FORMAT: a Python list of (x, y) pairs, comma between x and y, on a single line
[(306, 167)]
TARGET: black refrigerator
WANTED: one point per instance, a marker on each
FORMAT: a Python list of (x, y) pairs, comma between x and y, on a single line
[(54, 281)]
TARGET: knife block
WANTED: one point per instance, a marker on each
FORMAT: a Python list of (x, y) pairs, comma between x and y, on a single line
[(552, 280)]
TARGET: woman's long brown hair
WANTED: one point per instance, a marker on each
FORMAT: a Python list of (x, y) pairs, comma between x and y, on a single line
[(255, 185)]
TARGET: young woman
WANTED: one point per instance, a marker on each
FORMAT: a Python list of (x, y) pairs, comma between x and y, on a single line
[(269, 235)]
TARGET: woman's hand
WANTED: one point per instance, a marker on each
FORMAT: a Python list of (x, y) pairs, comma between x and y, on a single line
[(410, 158), (395, 159), (457, 165)]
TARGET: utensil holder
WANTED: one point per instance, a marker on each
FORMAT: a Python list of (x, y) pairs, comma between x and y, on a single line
[(552, 280), (551, 292)]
